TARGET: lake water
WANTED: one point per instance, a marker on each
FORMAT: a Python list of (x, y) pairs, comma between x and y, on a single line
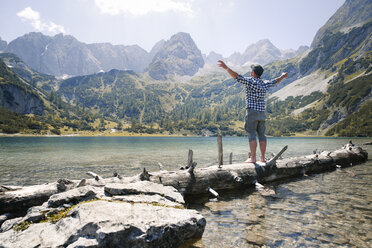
[(325, 210)]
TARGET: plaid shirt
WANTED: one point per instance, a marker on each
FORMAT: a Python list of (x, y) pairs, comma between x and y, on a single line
[(255, 90)]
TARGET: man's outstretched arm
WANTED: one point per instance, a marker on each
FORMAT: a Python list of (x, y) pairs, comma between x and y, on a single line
[(224, 66), (284, 75)]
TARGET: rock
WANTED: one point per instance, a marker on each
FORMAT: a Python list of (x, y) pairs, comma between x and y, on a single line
[(112, 224), (157, 199), (5, 217), (20, 200), (64, 184), (145, 187), (84, 242), (8, 224), (35, 214), (75, 195)]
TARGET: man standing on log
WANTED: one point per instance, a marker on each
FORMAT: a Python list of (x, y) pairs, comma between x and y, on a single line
[(254, 121)]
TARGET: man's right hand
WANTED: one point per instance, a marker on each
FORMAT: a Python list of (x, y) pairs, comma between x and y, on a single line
[(222, 64), (285, 74)]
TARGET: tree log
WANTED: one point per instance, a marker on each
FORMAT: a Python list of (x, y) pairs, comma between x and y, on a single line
[(94, 175), (220, 151), (244, 174), (189, 159), (273, 160)]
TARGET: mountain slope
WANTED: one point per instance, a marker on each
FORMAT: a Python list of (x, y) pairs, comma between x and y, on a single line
[(351, 14), (179, 55), (63, 54), (26, 108), (3, 45), (23, 71), (262, 52), (18, 96), (340, 63)]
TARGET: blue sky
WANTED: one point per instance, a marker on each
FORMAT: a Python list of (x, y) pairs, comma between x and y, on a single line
[(223, 26)]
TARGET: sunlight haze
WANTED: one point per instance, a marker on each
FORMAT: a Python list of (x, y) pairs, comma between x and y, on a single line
[(215, 25)]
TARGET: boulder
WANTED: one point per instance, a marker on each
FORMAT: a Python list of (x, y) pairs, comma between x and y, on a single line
[(75, 195), (23, 198), (146, 188), (153, 199), (8, 224), (112, 224)]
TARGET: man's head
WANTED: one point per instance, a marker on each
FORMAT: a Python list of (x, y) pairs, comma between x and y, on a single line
[(257, 70)]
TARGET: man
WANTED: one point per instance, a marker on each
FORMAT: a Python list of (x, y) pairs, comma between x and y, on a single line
[(255, 90)]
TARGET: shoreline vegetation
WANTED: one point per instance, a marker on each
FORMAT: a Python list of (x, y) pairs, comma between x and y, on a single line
[(130, 134)]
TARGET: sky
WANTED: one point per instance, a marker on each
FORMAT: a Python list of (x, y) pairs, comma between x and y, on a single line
[(222, 26)]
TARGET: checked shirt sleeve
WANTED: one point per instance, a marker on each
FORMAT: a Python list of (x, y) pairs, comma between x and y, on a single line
[(271, 83), (252, 83)]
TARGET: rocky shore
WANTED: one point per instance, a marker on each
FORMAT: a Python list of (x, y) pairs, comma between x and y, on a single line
[(139, 214), (147, 210)]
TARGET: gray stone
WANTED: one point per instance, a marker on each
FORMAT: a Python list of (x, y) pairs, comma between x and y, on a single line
[(5, 217), (154, 199), (25, 197), (36, 214), (112, 224), (84, 243), (75, 195), (8, 224), (145, 187)]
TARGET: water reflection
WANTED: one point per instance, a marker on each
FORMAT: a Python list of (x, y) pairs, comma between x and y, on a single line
[(325, 210)]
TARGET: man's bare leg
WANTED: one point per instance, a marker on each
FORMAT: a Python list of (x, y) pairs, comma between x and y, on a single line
[(252, 147), (263, 150)]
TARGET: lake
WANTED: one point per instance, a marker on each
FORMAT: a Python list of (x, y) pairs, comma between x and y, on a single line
[(329, 209)]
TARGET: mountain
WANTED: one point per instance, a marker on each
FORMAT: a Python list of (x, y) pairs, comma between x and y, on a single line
[(27, 74), (179, 55), (3, 45), (27, 108), (63, 54), (212, 58), (351, 14), (119, 57), (17, 95), (262, 52), (156, 48), (329, 86)]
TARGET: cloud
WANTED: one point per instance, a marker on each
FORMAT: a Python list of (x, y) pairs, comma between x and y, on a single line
[(143, 7), (38, 24)]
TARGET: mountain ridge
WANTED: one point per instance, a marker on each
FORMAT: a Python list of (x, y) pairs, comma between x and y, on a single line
[(63, 55)]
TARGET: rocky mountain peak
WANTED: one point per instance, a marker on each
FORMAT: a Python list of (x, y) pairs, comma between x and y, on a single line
[(262, 52), (179, 55), (64, 54), (155, 49), (212, 58), (351, 14)]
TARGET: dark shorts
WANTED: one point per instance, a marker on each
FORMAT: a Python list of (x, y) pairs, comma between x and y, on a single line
[(254, 123)]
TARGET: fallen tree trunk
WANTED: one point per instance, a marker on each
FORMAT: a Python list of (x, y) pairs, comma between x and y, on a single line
[(201, 180), (244, 174)]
